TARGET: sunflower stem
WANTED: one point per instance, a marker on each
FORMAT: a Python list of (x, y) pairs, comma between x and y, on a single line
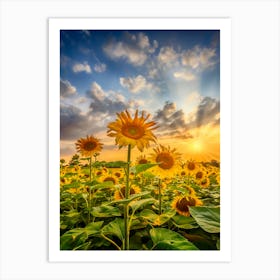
[(126, 214), (159, 195), (89, 194)]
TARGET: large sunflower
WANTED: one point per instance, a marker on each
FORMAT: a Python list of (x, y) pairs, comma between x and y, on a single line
[(181, 204), (120, 194), (167, 160), (132, 131), (88, 146)]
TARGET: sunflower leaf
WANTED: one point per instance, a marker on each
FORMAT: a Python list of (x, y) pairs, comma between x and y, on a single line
[(143, 167), (156, 219), (131, 198), (165, 239), (135, 205), (104, 211), (115, 228), (208, 218), (184, 222)]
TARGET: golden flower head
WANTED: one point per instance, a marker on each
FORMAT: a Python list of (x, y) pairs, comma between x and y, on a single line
[(191, 166), (120, 193), (204, 182), (181, 204), (142, 160), (167, 160), (88, 146), (132, 131), (109, 178)]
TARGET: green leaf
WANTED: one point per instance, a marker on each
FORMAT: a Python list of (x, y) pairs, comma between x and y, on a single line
[(93, 228), (131, 198), (184, 222), (208, 218), (104, 185), (165, 239), (106, 211), (156, 219), (115, 228), (142, 167), (135, 205)]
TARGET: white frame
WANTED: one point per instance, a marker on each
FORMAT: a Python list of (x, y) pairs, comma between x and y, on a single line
[(57, 24)]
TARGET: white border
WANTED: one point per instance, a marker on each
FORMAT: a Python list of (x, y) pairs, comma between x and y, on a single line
[(55, 25)]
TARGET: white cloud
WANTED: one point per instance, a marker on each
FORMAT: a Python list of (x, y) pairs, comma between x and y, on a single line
[(100, 67), (81, 67), (66, 89), (199, 58), (134, 49), (136, 84), (187, 76), (97, 91), (167, 55)]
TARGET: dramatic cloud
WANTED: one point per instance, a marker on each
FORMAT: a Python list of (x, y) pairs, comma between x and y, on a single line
[(175, 122), (187, 76), (100, 67), (81, 67), (199, 58), (134, 49), (107, 103), (135, 84), (66, 89)]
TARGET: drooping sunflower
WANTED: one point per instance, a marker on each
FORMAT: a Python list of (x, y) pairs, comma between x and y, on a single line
[(88, 146), (132, 131), (142, 160), (181, 204), (167, 160), (120, 193)]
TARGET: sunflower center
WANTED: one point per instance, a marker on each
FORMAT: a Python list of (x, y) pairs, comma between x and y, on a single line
[(118, 174), (109, 179), (183, 173), (199, 175), (166, 160), (98, 173), (191, 166), (133, 131), (122, 190), (89, 146), (184, 203), (142, 161)]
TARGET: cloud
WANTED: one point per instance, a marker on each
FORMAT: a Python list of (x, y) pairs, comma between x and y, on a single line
[(107, 103), (135, 84), (100, 67), (134, 49), (187, 76), (199, 58), (66, 89), (167, 56), (81, 67), (176, 123)]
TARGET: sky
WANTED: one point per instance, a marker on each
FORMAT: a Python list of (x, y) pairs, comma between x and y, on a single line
[(172, 74)]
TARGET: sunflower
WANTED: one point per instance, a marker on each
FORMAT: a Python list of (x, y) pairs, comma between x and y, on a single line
[(109, 178), (88, 146), (132, 131), (120, 193), (199, 175), (181, 204), (204, 182), (191, 166), (142, 160), (167, 160)]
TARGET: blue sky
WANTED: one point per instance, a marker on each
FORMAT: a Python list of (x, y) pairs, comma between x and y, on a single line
[(174, 75)]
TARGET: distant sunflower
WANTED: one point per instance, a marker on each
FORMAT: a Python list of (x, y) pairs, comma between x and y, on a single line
[(199, 175), (191, 166), (204, 182), (142, 160), (88, 146), (132, 131), (181, 204), (167, 160), (120, 194), (109, 178)]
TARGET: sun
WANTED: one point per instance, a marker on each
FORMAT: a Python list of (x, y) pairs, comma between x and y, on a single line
[(197, 146)]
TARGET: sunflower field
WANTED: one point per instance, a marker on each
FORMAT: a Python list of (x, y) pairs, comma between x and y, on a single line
[(160, 201)]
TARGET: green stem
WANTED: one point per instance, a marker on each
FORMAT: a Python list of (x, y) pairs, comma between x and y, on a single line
[(89, 194), (159, 196), (126, 214), (111, 241)]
